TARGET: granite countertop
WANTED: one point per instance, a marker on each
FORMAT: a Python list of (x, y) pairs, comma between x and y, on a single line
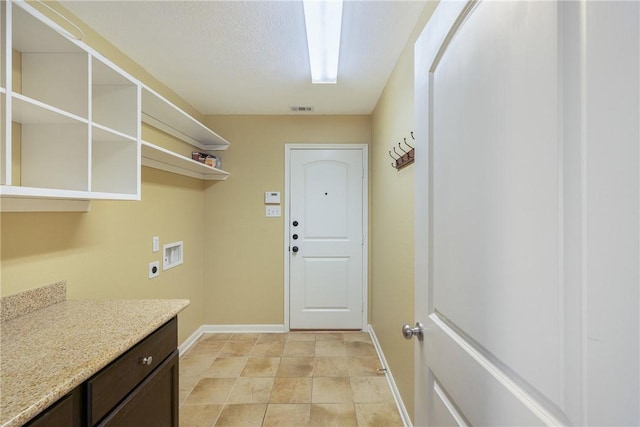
[(48, 352)]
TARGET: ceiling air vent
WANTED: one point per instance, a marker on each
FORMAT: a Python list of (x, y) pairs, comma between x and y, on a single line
[(299, 108)]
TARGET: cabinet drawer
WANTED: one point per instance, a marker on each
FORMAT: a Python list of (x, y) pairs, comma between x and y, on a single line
[(114, 382), (152, 403)]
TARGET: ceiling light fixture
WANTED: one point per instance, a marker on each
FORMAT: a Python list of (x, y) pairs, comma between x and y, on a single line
[(323, 19)]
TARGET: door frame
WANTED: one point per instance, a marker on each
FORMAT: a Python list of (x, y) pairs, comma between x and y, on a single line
[(365, 221)]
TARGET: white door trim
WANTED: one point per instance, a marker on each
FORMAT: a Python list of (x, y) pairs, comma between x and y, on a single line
[(365, 221)]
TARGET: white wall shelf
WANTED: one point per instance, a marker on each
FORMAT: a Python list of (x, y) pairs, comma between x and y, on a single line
[(24, 204), (162, 114), (26, 110), (163, 159)]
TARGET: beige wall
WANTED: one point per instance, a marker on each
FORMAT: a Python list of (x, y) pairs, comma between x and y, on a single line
[(392, 243), (105, 253), (244, 278)]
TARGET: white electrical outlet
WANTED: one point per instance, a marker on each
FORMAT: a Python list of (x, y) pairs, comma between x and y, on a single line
[(273, 211), (154, 269), (155, 243)]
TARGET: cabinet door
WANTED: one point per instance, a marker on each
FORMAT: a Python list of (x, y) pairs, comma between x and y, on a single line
[(66, 412), (154, 403), (113, 384)]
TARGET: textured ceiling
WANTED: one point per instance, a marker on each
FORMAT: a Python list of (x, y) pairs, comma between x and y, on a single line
[(249, 57)]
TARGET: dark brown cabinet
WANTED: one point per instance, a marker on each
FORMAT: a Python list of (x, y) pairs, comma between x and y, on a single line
[(153, 403), (112, 385), (139, 388), (67, 412)]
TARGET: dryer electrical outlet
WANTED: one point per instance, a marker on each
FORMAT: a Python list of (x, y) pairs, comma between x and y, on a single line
[(154, 269)]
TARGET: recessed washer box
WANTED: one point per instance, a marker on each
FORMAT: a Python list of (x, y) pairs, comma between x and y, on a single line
[(172, 255)]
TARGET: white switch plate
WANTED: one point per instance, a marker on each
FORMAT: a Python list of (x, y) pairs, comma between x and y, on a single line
[(154, 269), (272, 197), (156, 243), (273, 211)]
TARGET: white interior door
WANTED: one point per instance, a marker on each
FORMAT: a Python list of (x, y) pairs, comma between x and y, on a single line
[(527, 214), (326, 238)]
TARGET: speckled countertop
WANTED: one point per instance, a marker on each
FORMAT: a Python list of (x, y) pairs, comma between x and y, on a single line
[(48, 352)]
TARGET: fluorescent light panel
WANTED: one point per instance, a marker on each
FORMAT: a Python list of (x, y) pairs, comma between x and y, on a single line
[(323, 19)]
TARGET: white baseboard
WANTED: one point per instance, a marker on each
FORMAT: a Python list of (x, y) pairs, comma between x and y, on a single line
[(208, 329), (189, 342), (392, 384)]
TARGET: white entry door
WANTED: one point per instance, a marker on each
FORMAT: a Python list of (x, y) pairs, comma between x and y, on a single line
[(527, 214), (326, 237)]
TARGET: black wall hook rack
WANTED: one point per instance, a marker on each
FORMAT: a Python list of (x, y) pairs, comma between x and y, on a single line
[(405, 157)]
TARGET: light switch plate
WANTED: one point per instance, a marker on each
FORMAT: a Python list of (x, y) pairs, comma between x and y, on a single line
[(155, 243), (273, 211)]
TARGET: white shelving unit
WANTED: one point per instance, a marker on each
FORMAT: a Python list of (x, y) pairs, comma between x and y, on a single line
[(160, 158), (158, 112), (162, 114), (70, 121), (75, 119)]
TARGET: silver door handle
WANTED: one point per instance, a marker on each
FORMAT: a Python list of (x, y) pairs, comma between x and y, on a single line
[(408, 332)]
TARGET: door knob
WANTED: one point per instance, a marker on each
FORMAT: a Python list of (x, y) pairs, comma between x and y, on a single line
[(408, 332), (294, 249)]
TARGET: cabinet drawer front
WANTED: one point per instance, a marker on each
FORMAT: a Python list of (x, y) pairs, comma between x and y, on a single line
[(114, 382), (152, 403)]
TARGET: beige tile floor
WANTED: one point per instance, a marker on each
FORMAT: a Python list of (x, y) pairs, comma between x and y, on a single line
[(292, 379)]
